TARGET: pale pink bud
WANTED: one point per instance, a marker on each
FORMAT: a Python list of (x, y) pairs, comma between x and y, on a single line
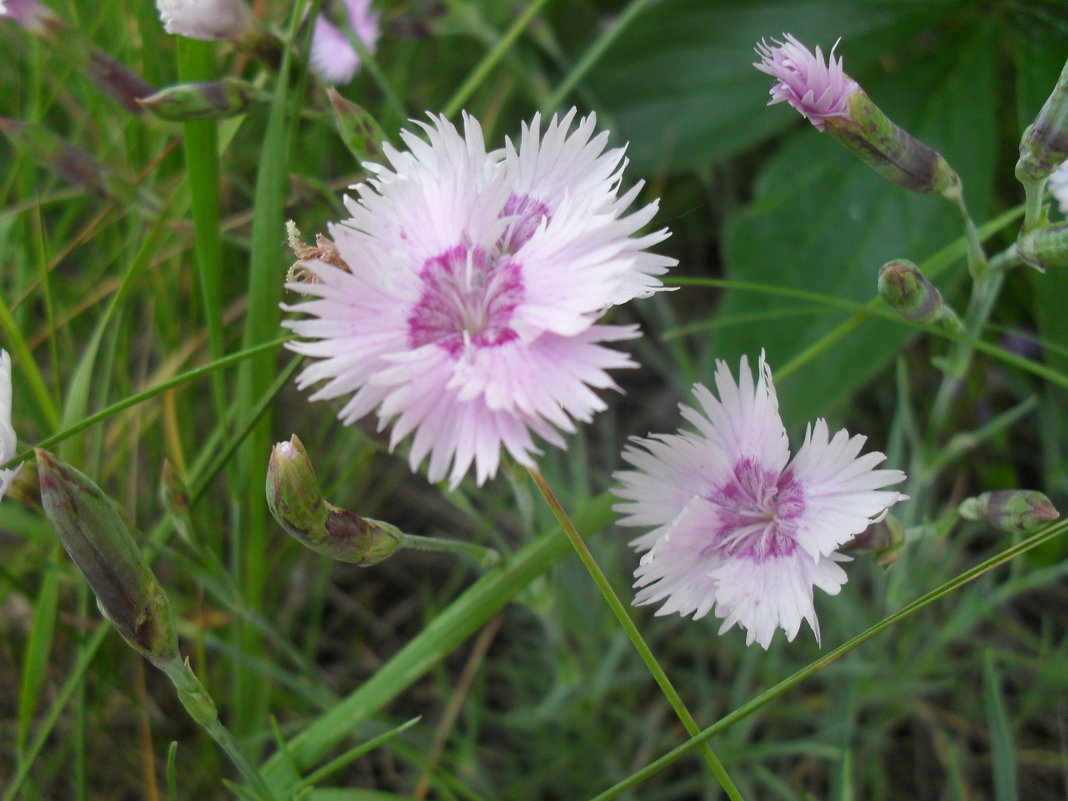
[(205, 19), (333, 58)]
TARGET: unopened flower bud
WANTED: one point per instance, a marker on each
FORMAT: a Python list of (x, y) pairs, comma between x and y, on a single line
[(1044, 145), (359, 131), (209, 100), (117, 82), (883, 539), (209, 20), (70, 162), (99, 543), (1044, 246), (294, 498), (1013, 511), (907, 291), (835, 103)]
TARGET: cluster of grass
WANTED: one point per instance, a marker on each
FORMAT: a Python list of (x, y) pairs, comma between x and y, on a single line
[(521, 680)]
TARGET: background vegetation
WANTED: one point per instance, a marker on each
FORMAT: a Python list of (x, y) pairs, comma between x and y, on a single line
[(542, 698)]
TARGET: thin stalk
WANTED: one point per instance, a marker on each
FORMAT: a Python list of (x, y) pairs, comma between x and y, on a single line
[(985, 291), (763, 699), (483, 556), (593, 53), (491, 59), (635, 636), (977, 264), (201, 145), (1033, 191)]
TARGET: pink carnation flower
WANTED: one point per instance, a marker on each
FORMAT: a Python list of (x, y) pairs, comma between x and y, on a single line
[(462, 300), (333, 58), (207, 20), (816, 88), (739, 527)]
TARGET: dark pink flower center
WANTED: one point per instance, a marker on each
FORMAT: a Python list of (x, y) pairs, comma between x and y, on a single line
[(468, 298), (758, 512)]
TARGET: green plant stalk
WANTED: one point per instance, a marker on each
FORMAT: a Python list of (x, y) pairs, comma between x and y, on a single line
[(200, 706), (772, 693), (862, 312), (620, 612), (593, 53), (201, 145), (249, 555), (977, 263), (1033, 191), (483, 69), (462, 618), (482, 556), (985, 290), (28, 366)]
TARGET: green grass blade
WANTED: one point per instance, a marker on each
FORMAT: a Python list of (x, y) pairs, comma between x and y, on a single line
[(38, 649), (1003, 757)]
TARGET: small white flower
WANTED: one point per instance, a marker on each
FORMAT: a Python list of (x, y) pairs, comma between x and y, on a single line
[(208, 20), (739, 528), (8, 441)]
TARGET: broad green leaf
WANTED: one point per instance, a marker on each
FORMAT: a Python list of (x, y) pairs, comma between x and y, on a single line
[(823, 221), (680, 85)]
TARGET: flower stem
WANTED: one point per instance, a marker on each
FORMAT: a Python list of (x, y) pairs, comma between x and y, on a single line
[(485, 557), (1033, 209), (200, 706), (632, 632), (977, 264)]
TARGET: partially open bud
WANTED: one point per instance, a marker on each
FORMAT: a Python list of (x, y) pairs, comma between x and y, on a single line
[(1044, 145), (295, 500), (33, 16), (1014, 511), (360, 132), (1044, 246), (99, 543), (835, 103), (210, 100), (907, 291), (209, 20)]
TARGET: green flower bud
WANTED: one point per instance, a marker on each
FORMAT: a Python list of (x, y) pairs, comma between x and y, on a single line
[(210, 100), (294, 498), (908, 292), (99, 543), (1014, 511), (1044, 246), (359, 131), (883, 540), (890, 150), (1044, 145)]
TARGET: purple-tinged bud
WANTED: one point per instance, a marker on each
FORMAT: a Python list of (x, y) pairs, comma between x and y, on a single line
[(117, 82), (68, 161), (1044, 145), (835, 103), (1013, 511), (360, 132), (883, 539), (907, 291), (1044, 246), (209, 20), (210, 100), (295, 500), (99, 543)]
